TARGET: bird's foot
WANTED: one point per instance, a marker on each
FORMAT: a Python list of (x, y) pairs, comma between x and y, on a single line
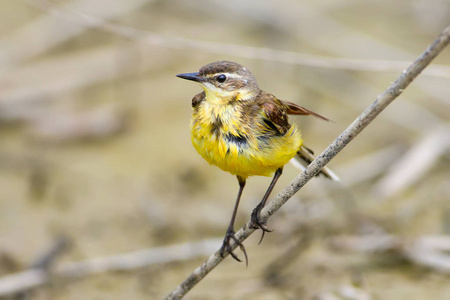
[(256, 222), (226, 247)]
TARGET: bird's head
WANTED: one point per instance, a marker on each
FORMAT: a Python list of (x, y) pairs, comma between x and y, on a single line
[(225, 81)]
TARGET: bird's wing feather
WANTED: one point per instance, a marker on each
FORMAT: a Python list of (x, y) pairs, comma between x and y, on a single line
[(294, 109), (275, 113)]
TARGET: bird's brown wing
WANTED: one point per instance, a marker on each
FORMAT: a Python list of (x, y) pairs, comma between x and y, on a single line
[(294, 109), (275, 113)]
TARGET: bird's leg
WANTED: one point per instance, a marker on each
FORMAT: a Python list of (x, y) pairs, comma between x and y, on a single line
[(226, 247), (256, 218)]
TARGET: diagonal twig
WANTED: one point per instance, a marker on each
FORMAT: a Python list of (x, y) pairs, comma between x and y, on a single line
[(382, 101)]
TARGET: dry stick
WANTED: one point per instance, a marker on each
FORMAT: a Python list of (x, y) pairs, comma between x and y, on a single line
[(334, 148), (267, 54), (427, 251), (414, 164), (35, 277), (27, 41)]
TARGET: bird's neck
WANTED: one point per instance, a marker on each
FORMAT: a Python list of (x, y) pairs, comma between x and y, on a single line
[(220, 98)]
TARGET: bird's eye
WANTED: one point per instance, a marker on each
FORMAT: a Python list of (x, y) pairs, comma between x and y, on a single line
[(221, 78)]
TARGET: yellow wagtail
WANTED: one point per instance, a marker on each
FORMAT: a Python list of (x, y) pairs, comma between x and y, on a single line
[(245, 131)]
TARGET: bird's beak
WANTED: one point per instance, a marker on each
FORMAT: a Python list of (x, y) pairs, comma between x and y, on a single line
[(192, 76)]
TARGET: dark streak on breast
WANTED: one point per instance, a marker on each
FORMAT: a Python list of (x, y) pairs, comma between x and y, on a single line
[(216, 126), (239, 140)]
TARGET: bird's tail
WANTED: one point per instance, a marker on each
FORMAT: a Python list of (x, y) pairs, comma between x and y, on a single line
[(305, 156)]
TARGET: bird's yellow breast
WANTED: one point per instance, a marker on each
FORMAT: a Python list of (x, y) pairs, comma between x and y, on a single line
[(226, 136)]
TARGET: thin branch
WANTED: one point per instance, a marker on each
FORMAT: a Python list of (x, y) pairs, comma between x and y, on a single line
[(35, 277), (267, 54), (415, 163), (428, 251), (331, 151), (27, 41), (368, 166)]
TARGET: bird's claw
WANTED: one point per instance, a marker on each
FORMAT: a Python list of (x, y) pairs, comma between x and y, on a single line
[(256, 222), (226, 247)]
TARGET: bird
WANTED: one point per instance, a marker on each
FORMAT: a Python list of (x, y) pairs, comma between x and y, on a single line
[(245, 131)]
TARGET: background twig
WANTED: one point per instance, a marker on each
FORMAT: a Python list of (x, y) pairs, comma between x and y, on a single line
[(428, 251), (73, 15), (37, 276)]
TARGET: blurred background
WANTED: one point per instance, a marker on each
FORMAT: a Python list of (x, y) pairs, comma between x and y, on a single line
[(96, 159)]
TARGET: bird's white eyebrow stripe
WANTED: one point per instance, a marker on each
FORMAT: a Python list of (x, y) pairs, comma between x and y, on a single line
[(229, 75)]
